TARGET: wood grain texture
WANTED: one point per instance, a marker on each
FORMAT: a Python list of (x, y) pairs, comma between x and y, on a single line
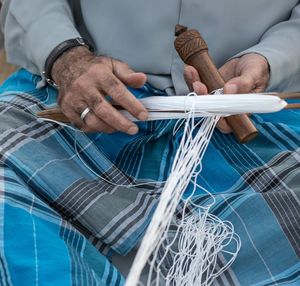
[(194, 51)]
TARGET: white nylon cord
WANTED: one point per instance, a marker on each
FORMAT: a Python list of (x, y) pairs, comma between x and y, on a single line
[(199, 238)]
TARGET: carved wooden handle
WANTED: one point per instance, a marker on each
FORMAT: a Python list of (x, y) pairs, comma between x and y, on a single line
[(194, 51)]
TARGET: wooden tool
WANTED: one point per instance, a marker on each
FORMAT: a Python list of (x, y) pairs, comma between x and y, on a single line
[(57, 115), (194, 52)]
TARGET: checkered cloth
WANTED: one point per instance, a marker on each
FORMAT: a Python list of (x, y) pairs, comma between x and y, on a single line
[(63, 211)]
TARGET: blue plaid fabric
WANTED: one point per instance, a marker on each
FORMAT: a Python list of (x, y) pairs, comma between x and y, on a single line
[(60, 221)]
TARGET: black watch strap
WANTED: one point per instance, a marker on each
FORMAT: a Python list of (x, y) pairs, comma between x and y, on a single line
[(57, 52)]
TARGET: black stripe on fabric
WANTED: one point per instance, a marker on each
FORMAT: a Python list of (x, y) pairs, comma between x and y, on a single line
[(140, 218), (226, 273), (82, 227), (126, 180), (19, 106), (252, 176), (287, 218), (28, 202), (260, 176), (21, 138), (290, 135), (278, 180), (9, 180), (110, 275), (118, 281), (222, 206), (168, 161), (189, 208), (4, 106), (4, 271), (102, 247), (276, 136), (73, 242), (29, 97), (70, 203)]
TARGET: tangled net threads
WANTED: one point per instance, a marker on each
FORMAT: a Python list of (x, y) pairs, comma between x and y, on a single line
[(200, 238)]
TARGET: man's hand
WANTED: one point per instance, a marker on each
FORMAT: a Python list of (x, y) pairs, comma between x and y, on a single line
[(247, 74), (85, 80)]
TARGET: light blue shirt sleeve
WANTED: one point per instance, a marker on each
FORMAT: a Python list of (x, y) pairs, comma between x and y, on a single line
[(33, 28), (280, 45)]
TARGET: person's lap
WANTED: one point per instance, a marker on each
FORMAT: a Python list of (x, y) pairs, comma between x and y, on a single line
[(256, 185)]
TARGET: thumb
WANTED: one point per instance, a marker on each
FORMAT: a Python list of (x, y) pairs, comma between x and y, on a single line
[(241, 84), (128, 76)]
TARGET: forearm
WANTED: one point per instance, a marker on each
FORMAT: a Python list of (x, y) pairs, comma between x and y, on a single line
[(33, 28), (280, 46)]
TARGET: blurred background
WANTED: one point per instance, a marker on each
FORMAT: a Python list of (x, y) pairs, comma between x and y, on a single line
[(5, 68)]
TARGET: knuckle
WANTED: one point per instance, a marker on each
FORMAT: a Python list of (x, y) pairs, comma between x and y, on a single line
[(112, 82), (119, 92), (98, 106), (96, 69), (248, 83), (79, 83), (123, 125), (64, 106)]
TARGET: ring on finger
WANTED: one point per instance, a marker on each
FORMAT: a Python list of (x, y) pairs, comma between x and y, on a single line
[(84, 113)]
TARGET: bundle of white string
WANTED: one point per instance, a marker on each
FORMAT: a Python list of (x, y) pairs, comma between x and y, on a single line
[(200, 238)]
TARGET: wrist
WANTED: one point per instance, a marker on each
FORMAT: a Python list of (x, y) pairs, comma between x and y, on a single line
[(58, 52), (64, 63)]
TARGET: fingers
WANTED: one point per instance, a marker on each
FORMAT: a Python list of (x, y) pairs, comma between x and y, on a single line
[(223, 126), (193, 80), (190, 75), (89, 87), (250, 73), (103, 111), (92, 123), (103, 117), (242, 84), (200, 88), (128, 76), (113, 87)]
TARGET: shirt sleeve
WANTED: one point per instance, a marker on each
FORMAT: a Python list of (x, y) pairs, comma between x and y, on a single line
[(280, 45), (33, 28)]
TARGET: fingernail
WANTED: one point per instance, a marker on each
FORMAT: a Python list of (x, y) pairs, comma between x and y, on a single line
[(197, 87), (231, 88), (133, 130), (143, 116)]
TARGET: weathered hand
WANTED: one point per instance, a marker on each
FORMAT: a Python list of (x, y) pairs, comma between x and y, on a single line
[(85, 80), (249, 73)]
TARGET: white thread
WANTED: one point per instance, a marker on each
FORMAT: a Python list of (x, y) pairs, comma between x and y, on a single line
[(129, 185), (174, 107), (200, 237)]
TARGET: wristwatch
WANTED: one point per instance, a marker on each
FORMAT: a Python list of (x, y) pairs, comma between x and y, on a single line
[(58, 51)]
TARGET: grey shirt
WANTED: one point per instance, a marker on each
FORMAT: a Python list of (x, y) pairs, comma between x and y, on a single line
[(141, 33)]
